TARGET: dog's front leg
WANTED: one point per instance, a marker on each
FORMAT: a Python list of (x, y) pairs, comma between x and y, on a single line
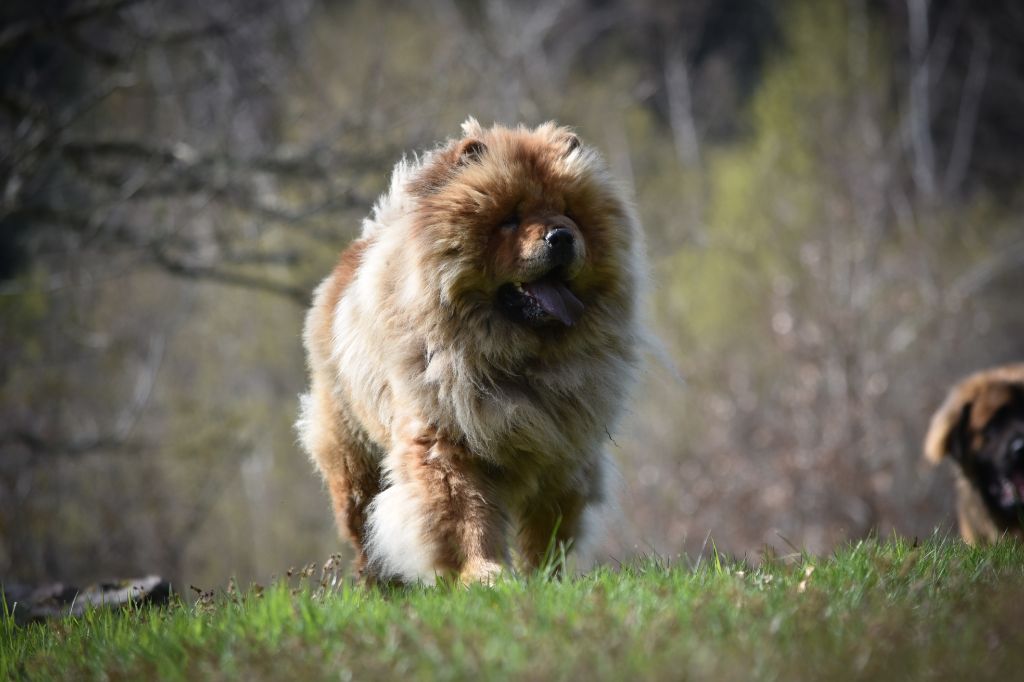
[(439, 516)]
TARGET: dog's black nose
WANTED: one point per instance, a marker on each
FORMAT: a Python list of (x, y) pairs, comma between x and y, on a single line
[(560, 243), (559, 237)]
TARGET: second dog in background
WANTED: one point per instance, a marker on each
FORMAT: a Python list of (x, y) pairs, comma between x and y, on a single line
[(980, 427)]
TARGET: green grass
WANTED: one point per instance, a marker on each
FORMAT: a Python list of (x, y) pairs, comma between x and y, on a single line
[(873, 610)]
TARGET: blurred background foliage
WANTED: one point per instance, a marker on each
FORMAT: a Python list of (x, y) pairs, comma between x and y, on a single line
[(831, 193)]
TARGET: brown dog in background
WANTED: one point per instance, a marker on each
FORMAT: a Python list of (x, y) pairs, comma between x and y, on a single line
[(981, 428), (470, 355)]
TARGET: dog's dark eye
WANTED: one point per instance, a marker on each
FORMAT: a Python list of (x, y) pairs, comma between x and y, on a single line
[(509, 224)]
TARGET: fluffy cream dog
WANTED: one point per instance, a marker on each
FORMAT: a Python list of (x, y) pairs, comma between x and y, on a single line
[(470, 355)]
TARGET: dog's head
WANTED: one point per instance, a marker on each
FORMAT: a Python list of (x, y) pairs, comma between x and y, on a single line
[(525, 228), (981, 428)]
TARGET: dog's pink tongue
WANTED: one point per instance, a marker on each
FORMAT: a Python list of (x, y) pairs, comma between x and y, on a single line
[(555, 298)]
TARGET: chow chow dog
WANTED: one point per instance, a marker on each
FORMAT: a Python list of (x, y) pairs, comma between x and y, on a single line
[(470, 353), (981, 428)]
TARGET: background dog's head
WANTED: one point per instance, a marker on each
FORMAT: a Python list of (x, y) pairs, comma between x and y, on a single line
[(981, 428)]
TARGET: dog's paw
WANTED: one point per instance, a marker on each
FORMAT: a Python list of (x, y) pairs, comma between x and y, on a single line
[(482, 572)]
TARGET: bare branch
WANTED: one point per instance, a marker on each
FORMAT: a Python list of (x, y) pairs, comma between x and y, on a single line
[(69, 116), (41, 445), (920, 107), (684, 131), (982, 274), (297, 295), (967, 117), (18, 31), (145, 382), (315, 162)]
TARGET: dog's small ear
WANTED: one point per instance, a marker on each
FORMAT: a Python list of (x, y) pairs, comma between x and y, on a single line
[(445, 165), (572, 143), (470, 151), (949, 432), (958, 442), (472, 128)]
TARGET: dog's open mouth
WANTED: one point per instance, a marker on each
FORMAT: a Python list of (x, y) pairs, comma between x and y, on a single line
[(544, 301)]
